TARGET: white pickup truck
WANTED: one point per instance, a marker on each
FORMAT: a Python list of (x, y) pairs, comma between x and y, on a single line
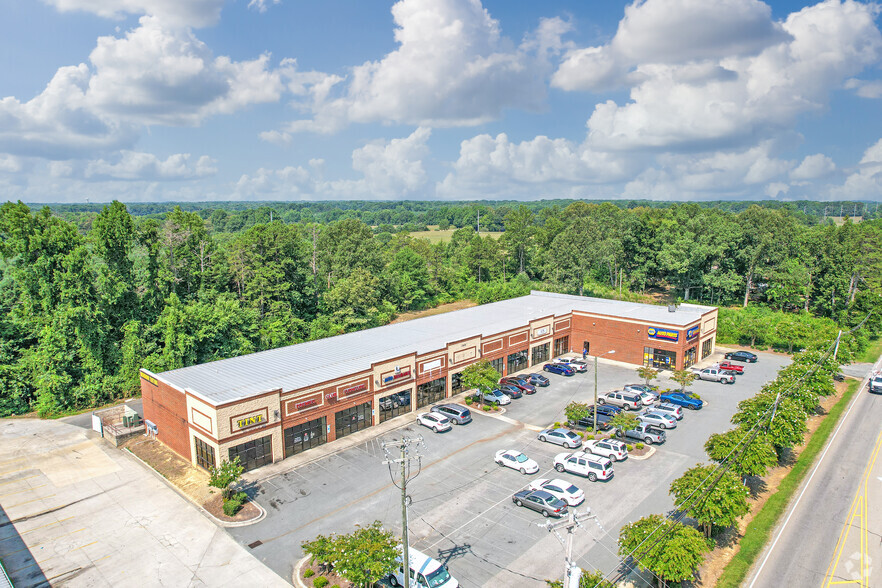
[(715, 375)]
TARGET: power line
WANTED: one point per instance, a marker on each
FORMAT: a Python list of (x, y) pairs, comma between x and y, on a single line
[(409, 449)]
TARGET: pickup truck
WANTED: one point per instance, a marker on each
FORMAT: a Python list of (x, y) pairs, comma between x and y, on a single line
[(715, 375), (732, 367), (875, 384), (646, 433)]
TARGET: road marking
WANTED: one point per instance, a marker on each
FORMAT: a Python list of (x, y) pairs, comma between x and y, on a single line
[(22, 490), (18, 480), (86, 545), (29, 501), (859, 510)]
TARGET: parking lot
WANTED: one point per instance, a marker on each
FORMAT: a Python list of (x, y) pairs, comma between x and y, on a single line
[(462, 512)]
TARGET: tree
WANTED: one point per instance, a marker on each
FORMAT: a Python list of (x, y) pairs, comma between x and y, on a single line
[(719, 506), (224, 476), (623, 421), (588, 579), (647, 373), (480, 376), (684, 378), (363, 557), (575, 411), (753, 459), (788, 426), (670, 551)]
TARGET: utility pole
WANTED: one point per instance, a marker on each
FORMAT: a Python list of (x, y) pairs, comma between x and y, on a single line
[(573, 573), (409, 449)]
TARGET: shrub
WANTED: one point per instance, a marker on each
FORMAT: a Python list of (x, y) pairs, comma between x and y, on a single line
[(589, 437), (639, 446), (308, 574), (231, 506), (557, 425), (320, 582), (630, 447), (495, 407), (486, 408), (469, 401)]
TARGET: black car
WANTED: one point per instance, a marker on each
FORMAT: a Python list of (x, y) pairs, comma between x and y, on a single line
[(512, 392), (588, 422), (518, 382), (606, 409), (541, 501), (742, 356), (537, 380)]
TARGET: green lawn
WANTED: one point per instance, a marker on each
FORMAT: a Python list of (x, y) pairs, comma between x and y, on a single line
[(442, 236), (760, 528), (871, 353)]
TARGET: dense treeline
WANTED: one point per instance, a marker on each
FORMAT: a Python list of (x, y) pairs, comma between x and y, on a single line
[(83, 306)]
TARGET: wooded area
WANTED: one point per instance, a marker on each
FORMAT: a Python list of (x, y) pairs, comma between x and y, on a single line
[(90, 297)]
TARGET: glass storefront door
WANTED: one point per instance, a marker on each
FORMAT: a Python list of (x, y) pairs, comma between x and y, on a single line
[(540, 354), (455, 383), (350, 420), (394, 405), (305, 436), (253, 454), (517, 361), (689, 357), (561, 346), (431, 392), (498, 365), (659, 358)]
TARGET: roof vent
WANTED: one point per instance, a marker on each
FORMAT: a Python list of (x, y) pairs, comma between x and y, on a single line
[(672, 308)]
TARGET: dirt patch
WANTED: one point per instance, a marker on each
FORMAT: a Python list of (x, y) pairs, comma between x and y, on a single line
[(215, 505), (189, 479), (639, 452), (714, 564), (449, 307), (334, 579)]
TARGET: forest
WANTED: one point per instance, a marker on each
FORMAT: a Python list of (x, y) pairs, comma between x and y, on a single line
[(89, 294)]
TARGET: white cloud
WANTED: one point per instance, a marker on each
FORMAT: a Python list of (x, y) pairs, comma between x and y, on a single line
[(813, 167), (776, 188), (699, 95), (260, 5), (197, 13), (146, 166), (865, 89), (866, 181), (452, 67), (9, 164)]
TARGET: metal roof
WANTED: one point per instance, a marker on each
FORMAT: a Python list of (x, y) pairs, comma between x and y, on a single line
[(306, 364)]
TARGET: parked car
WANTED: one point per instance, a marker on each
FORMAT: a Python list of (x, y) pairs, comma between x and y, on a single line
[(587, 422), (626, 400), (560, 436), (538, 380), (876, 384), (434, 421), (520, 383), (541, 501), (561, 489), (576, 364), (512, 392), (457, 414), (660, 420), (732, 367), (641, 388), (558, 368), (648, 398), (609, 448), (424, 571), (585, 464), (494, 396), (741, 356), (715, 375), (684, 399), (646, 433), (607, 409), (669, 409), (514, 459)]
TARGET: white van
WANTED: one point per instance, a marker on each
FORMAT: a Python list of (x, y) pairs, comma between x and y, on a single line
[(425, 572)]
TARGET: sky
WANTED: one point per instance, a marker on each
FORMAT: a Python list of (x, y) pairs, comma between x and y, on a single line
[(211, 100)]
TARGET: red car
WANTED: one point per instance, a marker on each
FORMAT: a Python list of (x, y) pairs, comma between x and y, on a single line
[(732, 367)]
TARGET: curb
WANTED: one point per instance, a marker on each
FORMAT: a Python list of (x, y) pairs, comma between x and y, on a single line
[(649, 454), (201, 509), (295, 575)]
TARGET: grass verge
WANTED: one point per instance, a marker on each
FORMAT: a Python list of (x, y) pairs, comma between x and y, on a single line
[(871, 353), (760, 528)]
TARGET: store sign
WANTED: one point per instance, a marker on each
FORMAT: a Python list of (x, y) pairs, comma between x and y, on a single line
[(150, 379), (353, 389), (663, 334), (693, 332), (331, 396), (305, 404), (398, 375), (431, 365), (540, 332), (250, 421)]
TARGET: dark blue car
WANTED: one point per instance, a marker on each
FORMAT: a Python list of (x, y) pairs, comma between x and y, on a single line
[(605, 409), (558, 368), (681, 399)]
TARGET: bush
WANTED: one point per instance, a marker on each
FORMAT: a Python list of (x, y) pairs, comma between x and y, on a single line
[(556, 425), (486, 408), (469, 401), (320, 582), (589, 437), (232, 506), (630, 447), (308, 574), (639, 446)]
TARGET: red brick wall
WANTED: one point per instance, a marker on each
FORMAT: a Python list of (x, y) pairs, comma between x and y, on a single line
[(167, 408), (627, 339)]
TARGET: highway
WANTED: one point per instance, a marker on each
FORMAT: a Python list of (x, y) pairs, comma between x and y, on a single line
[(831, 533)]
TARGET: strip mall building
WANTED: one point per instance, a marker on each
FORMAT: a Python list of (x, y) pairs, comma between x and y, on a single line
[(267, 406)]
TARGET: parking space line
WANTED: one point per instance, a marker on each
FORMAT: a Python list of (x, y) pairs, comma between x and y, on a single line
[(18, 480), (45, 541), (46, 525), (2, 463), (83, 546), (22, 490), (29, 501)]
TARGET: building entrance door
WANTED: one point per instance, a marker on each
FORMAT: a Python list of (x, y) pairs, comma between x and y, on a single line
[(253, 454)]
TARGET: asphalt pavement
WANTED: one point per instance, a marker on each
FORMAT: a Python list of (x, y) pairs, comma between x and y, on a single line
[(461, 511), (832, 532)]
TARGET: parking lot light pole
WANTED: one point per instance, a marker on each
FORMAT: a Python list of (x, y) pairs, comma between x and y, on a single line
[(595, 387)]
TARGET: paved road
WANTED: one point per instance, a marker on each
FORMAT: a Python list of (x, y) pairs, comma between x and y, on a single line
[(832, 533), (462, 511)]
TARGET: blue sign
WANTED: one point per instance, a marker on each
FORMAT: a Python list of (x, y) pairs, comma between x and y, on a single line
[(663, 334), (690, 333)]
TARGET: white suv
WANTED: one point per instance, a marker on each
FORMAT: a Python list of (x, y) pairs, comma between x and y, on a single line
[(585, 464), (626, 400)]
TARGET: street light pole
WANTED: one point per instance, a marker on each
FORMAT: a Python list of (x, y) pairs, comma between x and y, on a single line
[(595, 388)]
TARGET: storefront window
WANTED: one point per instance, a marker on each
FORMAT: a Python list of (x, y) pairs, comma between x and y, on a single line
[(431, 392), (561, 346), (253, 454), (394, 405), (305, 436), (689, 357), (204, 454), (517, 361), (498, 365), (540, 353), (350, 420), (659, 358), (455, 383), (707, 348)]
